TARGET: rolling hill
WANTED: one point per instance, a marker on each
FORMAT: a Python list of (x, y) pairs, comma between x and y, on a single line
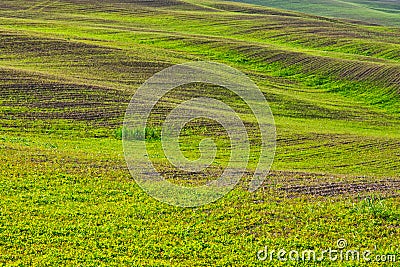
[(69, 69), (370, 11)]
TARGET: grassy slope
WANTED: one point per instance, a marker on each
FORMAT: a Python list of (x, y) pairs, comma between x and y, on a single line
[(68, 71), (378, 12)]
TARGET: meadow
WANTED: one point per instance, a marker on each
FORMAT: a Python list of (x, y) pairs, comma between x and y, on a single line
[(68, 70)]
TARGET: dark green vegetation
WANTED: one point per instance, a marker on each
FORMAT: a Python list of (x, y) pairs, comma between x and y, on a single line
[(383, 12), (68, 70)]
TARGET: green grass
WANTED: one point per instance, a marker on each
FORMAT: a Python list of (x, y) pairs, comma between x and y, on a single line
[(68, 70), (379, 12), (376, 207)]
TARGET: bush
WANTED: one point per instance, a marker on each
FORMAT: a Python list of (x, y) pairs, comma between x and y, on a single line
[(149, 134)]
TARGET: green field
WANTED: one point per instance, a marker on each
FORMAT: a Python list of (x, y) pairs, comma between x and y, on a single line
[(68, 70), (382, 12)]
